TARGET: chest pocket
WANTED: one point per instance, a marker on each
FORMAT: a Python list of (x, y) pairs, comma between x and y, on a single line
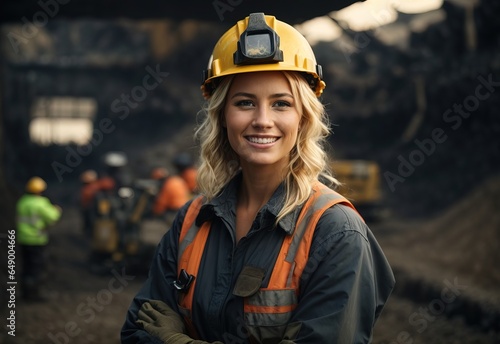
[(267, 310)]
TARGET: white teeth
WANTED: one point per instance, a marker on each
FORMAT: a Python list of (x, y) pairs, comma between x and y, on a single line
[(262, 140)]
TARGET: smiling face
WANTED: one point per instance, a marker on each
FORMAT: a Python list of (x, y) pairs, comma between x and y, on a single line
[(262, 119)]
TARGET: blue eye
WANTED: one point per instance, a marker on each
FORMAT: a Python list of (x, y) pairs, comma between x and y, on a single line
[(282, 103), (244, 103)]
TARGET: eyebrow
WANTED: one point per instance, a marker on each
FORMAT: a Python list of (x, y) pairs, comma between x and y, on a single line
[(250, 95)]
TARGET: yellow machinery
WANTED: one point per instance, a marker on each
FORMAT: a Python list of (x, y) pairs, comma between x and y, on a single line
[(361, 184)]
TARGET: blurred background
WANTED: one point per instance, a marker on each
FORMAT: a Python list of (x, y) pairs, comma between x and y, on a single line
[(414, 99)]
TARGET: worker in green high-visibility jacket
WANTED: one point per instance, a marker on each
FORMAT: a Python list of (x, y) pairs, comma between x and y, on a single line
[(35, 213)]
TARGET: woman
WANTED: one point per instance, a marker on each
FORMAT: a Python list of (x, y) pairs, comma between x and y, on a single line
[(268, 254)]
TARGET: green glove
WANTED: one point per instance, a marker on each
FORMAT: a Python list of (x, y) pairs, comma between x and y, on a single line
[(159, 320)]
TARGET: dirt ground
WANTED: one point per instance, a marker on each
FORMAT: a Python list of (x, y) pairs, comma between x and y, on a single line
[(85, 307), (457, 251)]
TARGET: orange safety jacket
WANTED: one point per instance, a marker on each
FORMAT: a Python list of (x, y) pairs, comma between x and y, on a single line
[(173, 194), (88, 192), (189, 175), (279, 298)]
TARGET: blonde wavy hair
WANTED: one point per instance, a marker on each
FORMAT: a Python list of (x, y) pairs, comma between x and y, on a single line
[(308, 159)]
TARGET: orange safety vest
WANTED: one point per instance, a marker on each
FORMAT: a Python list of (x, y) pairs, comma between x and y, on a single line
[(275, 303), (173, 195)]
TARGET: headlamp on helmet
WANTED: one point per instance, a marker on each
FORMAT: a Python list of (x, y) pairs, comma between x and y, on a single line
[(258, 43)]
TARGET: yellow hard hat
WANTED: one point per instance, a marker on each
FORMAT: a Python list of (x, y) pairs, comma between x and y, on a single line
[(36, 185), (262, 43)]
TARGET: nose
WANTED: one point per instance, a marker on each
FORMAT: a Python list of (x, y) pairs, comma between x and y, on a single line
[(262, 117)]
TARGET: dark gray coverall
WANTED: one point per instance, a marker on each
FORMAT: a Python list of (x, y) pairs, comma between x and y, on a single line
[(348, 278)]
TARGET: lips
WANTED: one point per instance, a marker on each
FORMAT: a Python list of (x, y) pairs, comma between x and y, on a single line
[(262, 140)]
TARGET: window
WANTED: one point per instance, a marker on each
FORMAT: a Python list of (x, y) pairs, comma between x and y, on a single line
[(62, 120)]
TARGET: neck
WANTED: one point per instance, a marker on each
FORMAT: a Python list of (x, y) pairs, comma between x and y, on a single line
[(258, 187)]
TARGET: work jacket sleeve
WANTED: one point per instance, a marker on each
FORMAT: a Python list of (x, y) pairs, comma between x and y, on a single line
[(158, 286), (345, 283), (48, 212)]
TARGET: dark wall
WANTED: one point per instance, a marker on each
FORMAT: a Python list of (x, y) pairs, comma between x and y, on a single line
[(214, 11)]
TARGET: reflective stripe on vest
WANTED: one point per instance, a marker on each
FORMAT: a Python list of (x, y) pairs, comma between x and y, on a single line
[(33, 220), (268, 310)]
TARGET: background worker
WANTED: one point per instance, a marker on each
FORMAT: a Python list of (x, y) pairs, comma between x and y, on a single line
[(35, 213), (90, 187), (109, 213), (158, 175), (116, 168), (173, 194), (186, 169)]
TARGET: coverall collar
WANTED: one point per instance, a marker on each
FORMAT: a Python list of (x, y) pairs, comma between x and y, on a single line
[(224, 206)]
